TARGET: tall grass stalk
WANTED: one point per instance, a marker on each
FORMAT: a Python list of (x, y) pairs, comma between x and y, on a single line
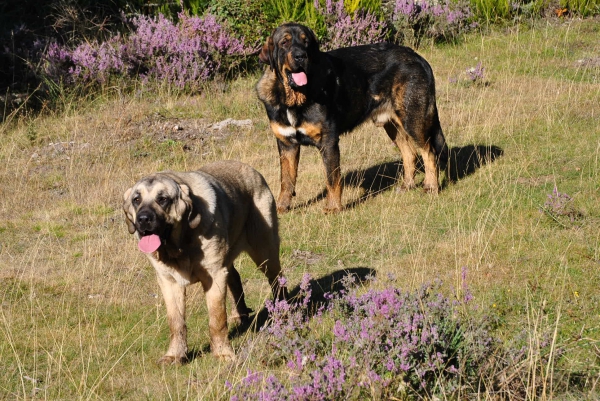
[(291, 10), (353, 6), (491, 10)]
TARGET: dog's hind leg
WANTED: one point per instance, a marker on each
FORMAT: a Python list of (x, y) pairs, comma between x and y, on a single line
[(407, 149), (430, 184), (433, 150), (268, 262), (265, 253), (262, 236), (240, 312)]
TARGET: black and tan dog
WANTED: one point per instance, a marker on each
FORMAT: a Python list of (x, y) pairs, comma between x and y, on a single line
[(192, 226), (313, 97)]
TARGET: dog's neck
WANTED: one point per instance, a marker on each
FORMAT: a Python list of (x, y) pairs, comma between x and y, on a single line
[(293, 98), (272, 83), (175, 245)]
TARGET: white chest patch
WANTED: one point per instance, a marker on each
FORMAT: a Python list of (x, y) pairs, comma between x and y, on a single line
[(287, 131), (291, 118)]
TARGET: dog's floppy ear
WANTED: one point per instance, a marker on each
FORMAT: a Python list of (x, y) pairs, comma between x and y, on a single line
[(266, 54), (126, 207), (188, 210), (313, 48)]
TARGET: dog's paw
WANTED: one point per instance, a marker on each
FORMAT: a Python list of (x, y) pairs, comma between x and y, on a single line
[(283, 208), (332, 209), (224, 351), (172, 360), (405, 188), (239, 319), (431, 189)]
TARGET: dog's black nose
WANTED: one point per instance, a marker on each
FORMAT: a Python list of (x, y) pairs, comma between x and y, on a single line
[(300, 57), (145, 219)]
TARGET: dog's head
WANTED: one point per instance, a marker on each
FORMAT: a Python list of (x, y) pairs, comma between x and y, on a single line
[(290, 51), (156, 207)]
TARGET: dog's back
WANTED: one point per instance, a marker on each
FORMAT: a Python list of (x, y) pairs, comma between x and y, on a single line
[(390, 77), (242, 182)]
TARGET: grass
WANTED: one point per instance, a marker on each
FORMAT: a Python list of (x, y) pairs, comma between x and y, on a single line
[(81, 314)]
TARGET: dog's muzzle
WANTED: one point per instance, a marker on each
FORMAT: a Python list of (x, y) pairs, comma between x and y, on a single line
[(298, 61), (147, 222)]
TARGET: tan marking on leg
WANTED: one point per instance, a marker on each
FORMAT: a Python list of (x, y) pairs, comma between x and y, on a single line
[(330, 155), (430, 184), (334, 197), (289, 157), (313, 131), (407, 149)]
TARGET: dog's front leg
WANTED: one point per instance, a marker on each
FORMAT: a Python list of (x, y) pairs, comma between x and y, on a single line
[(289, 157), (174, 296), (216, 294), (330, 152)]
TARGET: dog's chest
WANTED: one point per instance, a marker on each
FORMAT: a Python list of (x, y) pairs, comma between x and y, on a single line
[(291, 116), (293, 127)]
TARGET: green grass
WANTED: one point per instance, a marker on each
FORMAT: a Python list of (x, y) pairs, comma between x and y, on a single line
[(81, 314)]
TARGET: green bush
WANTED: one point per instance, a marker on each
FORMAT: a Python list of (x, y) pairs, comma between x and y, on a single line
[(491, 10), (585, 8), (250, 19)]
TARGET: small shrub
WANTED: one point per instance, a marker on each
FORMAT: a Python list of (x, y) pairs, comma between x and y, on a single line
[(585, 8), (559, 207), (356, 5), (441, 20), (248, 19), (473, 76), (343, 29), (185, 54), (381, 344)]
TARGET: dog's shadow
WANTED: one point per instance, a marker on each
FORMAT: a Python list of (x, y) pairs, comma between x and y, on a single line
[(330, 284), (462, 162)]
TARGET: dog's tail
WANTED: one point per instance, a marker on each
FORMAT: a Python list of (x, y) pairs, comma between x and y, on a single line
[(441, 148)]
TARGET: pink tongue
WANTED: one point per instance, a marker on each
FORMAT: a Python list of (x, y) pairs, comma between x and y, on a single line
[(299, 78), (149, 243)]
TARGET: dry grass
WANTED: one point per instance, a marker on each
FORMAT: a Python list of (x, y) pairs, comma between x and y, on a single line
[(81, 315)]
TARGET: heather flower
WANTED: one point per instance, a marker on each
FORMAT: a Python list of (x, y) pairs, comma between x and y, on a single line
[(381, 340), (467, 296), (345, 30), (475, 74), (559, 206), (443, 19), (183, 55)]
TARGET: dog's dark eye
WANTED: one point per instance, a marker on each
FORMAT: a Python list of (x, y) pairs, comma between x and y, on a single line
[(283, 42), (163, 201), (136, 201)]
